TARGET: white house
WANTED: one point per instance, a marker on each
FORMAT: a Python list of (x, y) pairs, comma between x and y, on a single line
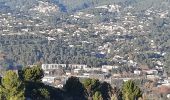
[(152, 76), (77, 71), (137, 72), (151, 71), (87, 69), (48, 79), (106, 68)]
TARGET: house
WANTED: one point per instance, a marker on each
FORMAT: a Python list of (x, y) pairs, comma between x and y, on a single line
[(116, 75), (77, 71), (87, 69), (152, 76), (137, 72), (107, 68), (48, 79), (32, 65), (96, 69), (151, 71), (46, 72), (86, 74), (166, 83)]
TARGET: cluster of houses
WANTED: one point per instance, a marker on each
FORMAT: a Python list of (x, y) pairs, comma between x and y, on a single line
[(57, 74), (63, 71)]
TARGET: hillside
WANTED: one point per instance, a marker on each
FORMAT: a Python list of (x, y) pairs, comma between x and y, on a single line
[(109, 40), (95, 35)]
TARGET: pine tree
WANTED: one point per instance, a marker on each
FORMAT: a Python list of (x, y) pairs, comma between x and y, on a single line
[(131, 91), (12, 87), (33, 74), (97, 96), (91, 85)]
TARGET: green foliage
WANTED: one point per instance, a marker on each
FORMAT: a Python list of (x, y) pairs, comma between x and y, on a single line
[(12, 87), (40, 93), (34, 88), (95, 88), (97, 96), (30, 49), (116, 94), (130, 91), (45, 94), (2, 96), (91, 85), (167, 64), (114, 97), (34, 74)]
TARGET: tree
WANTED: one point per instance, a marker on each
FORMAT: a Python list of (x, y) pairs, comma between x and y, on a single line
[(114, 97), (116, 94), (74, 89), (12, 87), (2, 96), (97, 96), (40, 93), (91, 85), (33, 74), (105, 89), (131, 91), (45, 94), (167, 63)]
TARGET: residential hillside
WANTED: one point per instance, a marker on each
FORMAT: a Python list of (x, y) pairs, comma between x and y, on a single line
[(107, 42)]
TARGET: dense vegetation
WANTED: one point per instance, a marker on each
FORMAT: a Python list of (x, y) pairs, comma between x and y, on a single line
[(37, 49), (18, 87)]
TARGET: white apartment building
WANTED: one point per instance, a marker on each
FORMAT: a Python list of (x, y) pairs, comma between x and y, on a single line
[(77, 66), (53, 66)]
